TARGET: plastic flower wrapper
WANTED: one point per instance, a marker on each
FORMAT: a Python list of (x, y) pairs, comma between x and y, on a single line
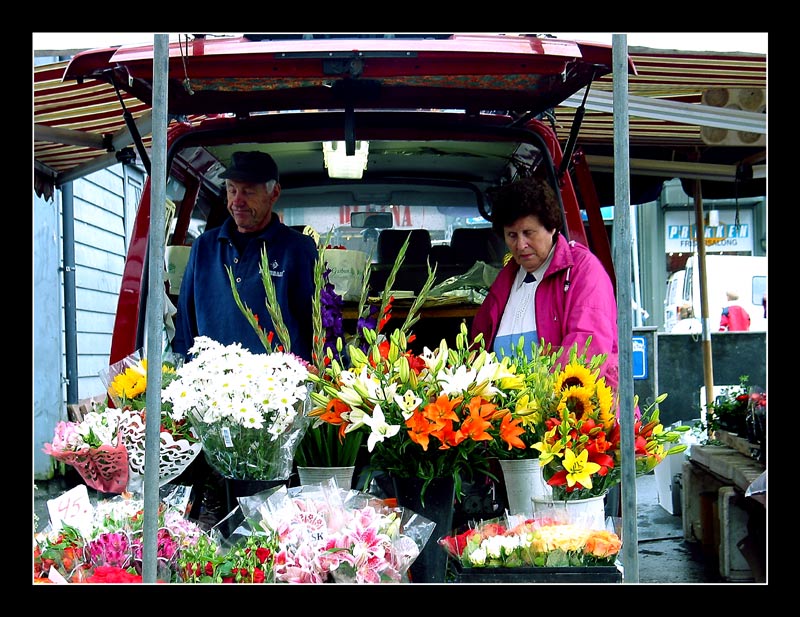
[(126, 381), (757, 422), (113, 539), (117, 537), (94, 447), (515, 542), (126, 384), (61, 549), (326, 533), (248, 409)]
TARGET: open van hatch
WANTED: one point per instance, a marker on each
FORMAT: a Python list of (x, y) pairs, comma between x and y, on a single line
[(527, 75), (438, 120)]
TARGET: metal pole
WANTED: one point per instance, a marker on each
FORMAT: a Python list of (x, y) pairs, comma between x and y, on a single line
[(622, 267), (155, 306), (638, 320), (70, 306), (700, 232)]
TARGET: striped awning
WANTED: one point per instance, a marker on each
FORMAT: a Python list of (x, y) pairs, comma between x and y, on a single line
[(679, 77), (80, 128)]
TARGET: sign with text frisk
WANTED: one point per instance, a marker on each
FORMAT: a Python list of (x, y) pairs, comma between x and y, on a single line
[(726, 236)]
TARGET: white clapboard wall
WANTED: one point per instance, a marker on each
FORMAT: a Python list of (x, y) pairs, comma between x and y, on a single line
[(104, 209)]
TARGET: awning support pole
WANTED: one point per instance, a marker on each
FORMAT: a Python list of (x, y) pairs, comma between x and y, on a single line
[(134, 130), (700, 232)]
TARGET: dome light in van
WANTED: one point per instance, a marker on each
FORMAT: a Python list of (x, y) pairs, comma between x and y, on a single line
[(340, 165)]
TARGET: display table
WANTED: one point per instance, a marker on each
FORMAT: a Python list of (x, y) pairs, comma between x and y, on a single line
[(716, 512), (400, 308), (595, 574)]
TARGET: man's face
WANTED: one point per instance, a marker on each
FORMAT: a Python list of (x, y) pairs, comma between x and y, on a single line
[(250, 203)]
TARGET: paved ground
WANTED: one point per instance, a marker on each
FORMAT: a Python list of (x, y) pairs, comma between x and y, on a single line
[(664, 556)]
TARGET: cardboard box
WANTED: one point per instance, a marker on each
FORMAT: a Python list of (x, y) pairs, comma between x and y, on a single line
[(669, 496)]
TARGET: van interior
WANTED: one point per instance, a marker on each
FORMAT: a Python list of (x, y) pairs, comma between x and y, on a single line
[(431, 191)]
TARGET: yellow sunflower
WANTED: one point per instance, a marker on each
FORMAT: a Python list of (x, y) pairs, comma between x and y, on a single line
[(577, 400), (605, 403), (576, 374), (131, 382)]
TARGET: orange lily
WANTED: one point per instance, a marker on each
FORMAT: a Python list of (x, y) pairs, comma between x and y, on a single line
[(476, 424), (510, 430), (442, 409), (419, 429)]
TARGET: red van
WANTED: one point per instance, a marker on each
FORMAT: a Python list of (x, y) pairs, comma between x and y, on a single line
[(433, 121)]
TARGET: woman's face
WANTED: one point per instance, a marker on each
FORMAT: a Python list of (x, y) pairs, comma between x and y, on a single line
[(529, 242)]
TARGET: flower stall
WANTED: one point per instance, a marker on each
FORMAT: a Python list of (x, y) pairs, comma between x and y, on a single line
[(428, 420)]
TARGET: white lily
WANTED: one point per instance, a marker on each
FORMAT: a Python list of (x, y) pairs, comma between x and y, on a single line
[(407, 403), (380, 428)]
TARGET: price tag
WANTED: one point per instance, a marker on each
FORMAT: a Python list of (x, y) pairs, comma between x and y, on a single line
[(72, 508), (56, 577), (226, 437)]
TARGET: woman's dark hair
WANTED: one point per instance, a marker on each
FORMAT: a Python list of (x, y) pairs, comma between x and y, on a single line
[(525, 197)]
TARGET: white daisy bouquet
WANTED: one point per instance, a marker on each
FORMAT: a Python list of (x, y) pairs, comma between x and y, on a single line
[(248, 409)]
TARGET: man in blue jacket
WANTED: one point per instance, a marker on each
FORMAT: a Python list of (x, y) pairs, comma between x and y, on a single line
[(206, 305)]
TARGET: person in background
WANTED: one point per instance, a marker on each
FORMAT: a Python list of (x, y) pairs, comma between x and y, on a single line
[(734, 317), (687, 323), (206, 305), (553, 289)]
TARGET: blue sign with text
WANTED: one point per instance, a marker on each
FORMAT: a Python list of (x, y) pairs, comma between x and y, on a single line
[(639, 358)]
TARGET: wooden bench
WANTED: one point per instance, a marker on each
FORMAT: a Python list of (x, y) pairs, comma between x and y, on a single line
[(76, 411)]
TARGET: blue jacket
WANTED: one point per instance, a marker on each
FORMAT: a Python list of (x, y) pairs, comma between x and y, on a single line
[(206, 305)]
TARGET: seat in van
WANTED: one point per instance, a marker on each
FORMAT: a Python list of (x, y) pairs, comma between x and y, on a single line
[(391, 240), (414, 271), (471, 244)]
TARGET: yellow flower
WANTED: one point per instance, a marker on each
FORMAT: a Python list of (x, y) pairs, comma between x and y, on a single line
[(578, 401), (548, 451), (576, 374), (131, 382), (579, 469), (605, 398)]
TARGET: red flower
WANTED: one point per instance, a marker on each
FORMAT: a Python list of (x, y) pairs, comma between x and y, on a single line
[(455, 545), (113, 574)]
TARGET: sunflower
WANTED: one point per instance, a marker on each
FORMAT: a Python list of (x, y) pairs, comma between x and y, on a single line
[(576, 400), (131, 382), (605, 404), (576, 374)]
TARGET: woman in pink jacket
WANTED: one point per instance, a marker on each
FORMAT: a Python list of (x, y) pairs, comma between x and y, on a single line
[(552, 289)]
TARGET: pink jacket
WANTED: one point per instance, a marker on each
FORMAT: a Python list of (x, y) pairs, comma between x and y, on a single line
[(574, 300)]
